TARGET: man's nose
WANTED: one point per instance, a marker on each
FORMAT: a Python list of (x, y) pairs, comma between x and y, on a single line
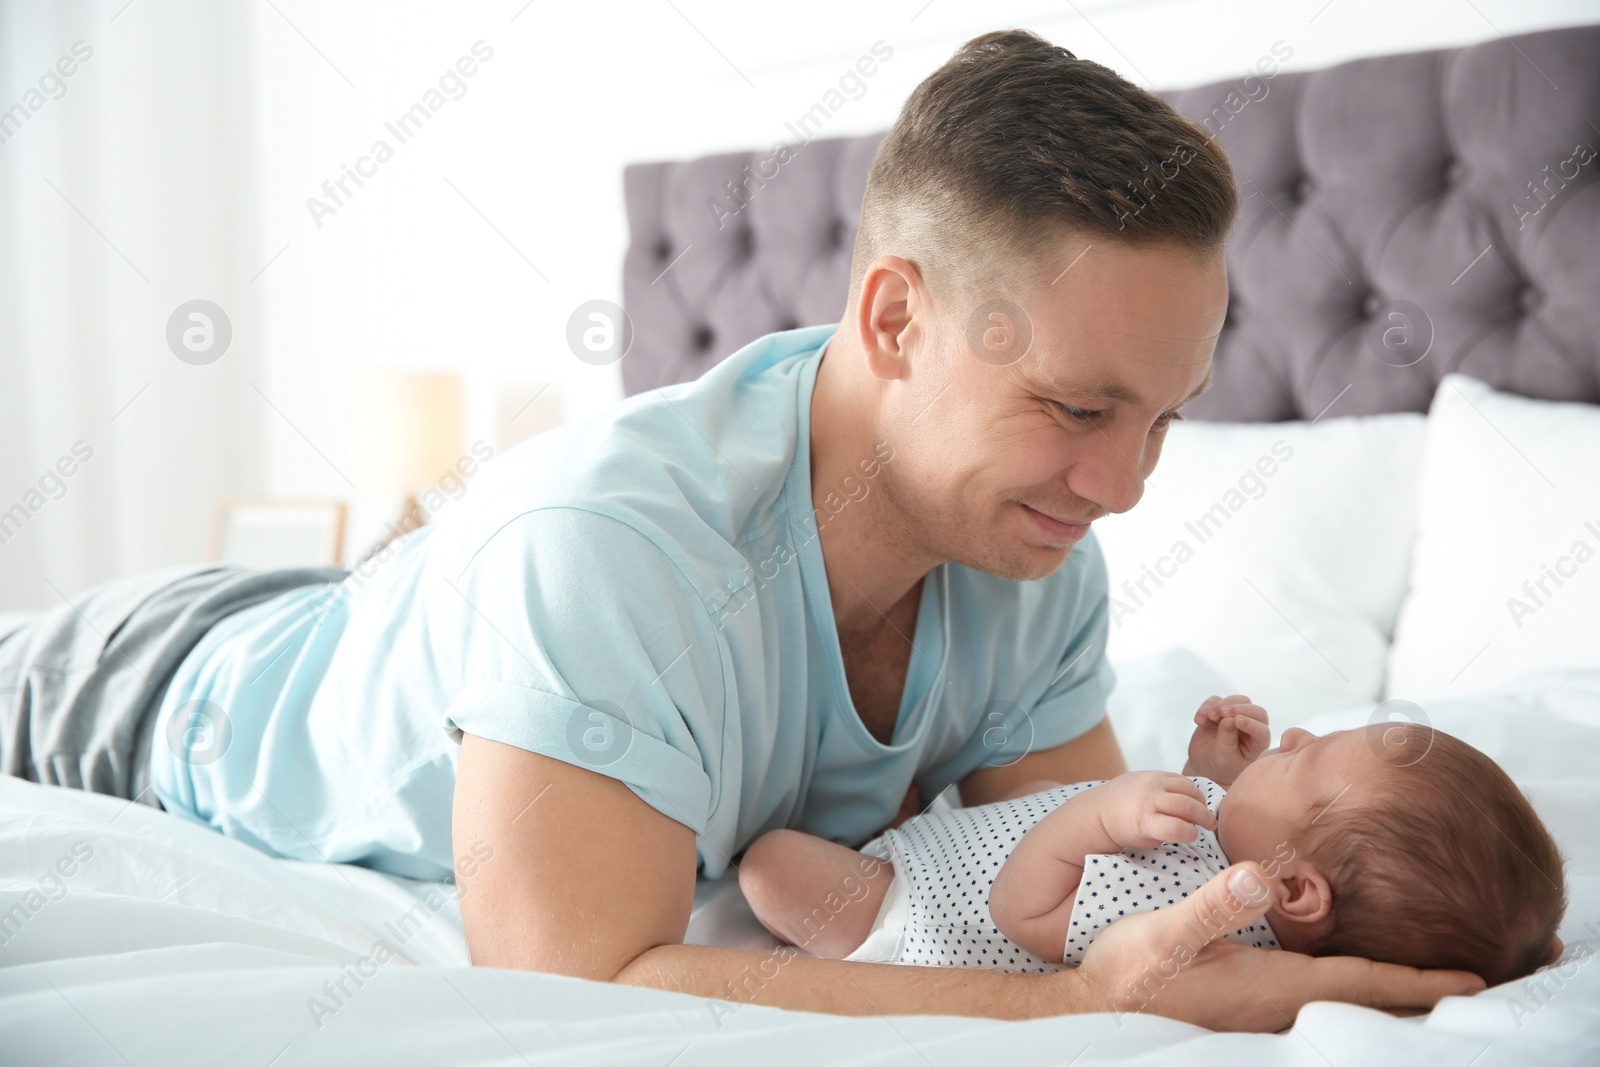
[(1112, 475)]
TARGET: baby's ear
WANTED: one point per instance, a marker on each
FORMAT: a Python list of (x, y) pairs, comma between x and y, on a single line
[(1302, 894), (1556, 949)]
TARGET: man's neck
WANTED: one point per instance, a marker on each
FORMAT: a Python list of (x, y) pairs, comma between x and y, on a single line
[(873, 561)]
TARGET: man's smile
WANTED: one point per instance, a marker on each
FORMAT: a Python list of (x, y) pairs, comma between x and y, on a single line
[(1057, 529)]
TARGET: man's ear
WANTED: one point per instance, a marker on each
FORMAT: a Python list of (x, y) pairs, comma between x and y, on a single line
[(890, 297), (1301, 894), (1556, 949)]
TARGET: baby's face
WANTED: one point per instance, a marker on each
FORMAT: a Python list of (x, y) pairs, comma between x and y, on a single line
[(1277, 800)]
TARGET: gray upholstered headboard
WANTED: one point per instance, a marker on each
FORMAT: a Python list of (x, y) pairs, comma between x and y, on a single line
[(1457, 189)]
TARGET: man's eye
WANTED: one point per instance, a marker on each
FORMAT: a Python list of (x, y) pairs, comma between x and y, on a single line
[(1078, 413), (1165, 420)]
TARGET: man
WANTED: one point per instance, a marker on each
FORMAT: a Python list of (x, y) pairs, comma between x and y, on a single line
[(850, 564)]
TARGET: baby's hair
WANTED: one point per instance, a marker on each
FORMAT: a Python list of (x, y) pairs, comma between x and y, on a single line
[(1450, 867)]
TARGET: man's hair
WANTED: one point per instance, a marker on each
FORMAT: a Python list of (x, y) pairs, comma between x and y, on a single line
[(1449, 868), (1015, 143)]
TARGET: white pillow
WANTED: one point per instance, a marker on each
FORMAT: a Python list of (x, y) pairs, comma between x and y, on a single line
[(1276, 552), (1506, 577)]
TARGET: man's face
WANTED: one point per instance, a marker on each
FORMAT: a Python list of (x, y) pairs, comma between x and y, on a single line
[(1000, 462)]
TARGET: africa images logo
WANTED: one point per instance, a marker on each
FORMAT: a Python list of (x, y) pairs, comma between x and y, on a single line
[(199, 332)]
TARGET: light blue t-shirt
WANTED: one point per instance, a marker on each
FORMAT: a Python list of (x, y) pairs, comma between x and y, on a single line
[(642, 594)]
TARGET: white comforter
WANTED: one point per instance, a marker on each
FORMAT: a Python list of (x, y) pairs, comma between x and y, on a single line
[(167, 943)]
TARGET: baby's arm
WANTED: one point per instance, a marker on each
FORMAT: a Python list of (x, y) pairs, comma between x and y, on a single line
[(1032, 897)]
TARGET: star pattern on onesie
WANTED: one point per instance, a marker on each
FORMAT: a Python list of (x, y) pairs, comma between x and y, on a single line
[(950, 859), (1136, 880)]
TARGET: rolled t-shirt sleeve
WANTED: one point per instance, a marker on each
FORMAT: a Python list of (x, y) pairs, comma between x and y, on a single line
[(584, 641)]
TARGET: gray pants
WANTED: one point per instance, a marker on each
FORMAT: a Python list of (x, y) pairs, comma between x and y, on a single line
[(80, 683)]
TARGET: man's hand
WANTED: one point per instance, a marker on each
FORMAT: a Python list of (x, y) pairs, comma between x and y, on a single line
[(1143, 809), (1230, 732), (1173, 962)]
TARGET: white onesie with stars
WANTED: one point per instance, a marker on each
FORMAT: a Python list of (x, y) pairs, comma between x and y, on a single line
[(936, 912)]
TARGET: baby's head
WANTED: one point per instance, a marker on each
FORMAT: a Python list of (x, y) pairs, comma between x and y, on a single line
[(1398, 843)]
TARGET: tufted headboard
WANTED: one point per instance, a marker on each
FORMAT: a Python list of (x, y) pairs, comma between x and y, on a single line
[(1401, 217)]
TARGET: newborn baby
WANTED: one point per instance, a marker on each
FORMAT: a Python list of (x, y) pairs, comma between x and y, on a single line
[(1394, 842)]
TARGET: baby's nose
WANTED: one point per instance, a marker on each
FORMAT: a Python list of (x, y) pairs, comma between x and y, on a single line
[(1294, 737)]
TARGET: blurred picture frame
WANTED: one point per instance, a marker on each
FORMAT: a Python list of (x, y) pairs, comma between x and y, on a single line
[(268, 533)]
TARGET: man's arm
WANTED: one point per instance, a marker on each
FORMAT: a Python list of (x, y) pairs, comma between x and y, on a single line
[(586, 879), (569, 852), (1089, 757)]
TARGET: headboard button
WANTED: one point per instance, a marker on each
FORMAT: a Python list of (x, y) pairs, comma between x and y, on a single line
[(1528, 300), (1370, 304), (1302, 188)]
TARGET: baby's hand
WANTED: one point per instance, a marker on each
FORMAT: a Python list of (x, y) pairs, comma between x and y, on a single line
[(1143, 809), (1230, 732)]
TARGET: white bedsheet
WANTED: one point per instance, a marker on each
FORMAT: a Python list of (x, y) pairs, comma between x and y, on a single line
[(171, 944)]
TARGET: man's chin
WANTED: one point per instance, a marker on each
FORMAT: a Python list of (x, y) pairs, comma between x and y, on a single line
[(1029, 564)]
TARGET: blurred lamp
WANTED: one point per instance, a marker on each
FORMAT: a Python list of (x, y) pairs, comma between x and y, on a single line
[(405, 435)]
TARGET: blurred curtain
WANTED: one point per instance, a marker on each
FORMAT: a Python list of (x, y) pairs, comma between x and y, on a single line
[(111, 447)]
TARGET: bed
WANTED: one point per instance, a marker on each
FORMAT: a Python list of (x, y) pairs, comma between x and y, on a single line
[(1371, 574)]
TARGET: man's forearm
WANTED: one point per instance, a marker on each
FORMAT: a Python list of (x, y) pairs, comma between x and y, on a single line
[(787, 978), (1091, 757)]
